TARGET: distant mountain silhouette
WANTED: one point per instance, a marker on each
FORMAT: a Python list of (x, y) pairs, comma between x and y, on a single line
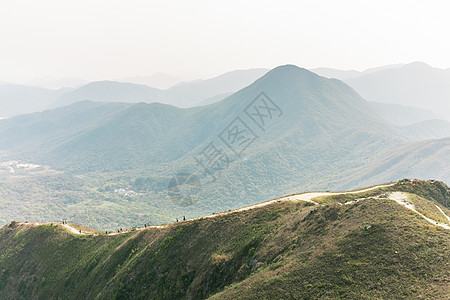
[(57, 83), (110, 91), (416, 84), (20, 99), (156, 80), (347, 74), (182, 95)]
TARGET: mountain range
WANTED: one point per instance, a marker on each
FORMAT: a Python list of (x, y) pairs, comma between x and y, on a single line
[(289, 131), (20, 99), (415, 85), (182, 95)]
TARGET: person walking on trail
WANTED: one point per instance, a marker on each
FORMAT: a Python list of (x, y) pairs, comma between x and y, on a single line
[(80, 231), (184, 218), (177, 220)]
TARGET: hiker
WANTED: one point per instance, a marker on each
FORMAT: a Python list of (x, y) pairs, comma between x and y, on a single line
[(177, 220), (184, 218), (145, 225), (80, 231)]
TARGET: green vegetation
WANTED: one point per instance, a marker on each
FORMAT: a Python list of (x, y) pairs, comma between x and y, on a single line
[(97, 148), (373, 248), (325, 139)]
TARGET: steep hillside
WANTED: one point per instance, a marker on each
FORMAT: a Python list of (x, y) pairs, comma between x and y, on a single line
[(423, 159), (359, 245), (190, 94)]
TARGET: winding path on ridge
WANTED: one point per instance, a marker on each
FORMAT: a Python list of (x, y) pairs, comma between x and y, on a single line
[(71, 229), (399, 197), (402, 199), (309, 196)]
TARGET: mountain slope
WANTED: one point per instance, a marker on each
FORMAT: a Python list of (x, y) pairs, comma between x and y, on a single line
[(402, 115), (423, 159), (371, 248), (193, 93), (429, 129)]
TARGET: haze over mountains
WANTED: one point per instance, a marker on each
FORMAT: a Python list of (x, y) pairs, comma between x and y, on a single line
[(416, 84), (181, 95), (156, 80), (19, 99), (302, 132), (413, 85), (347, 74)]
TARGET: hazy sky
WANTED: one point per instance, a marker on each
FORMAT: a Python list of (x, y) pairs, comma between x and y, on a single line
[(102, 39)]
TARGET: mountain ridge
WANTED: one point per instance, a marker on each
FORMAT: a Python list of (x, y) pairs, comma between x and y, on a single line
[(341, 245)]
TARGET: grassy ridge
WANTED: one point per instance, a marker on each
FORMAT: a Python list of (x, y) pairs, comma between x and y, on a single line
[(371, 249)]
